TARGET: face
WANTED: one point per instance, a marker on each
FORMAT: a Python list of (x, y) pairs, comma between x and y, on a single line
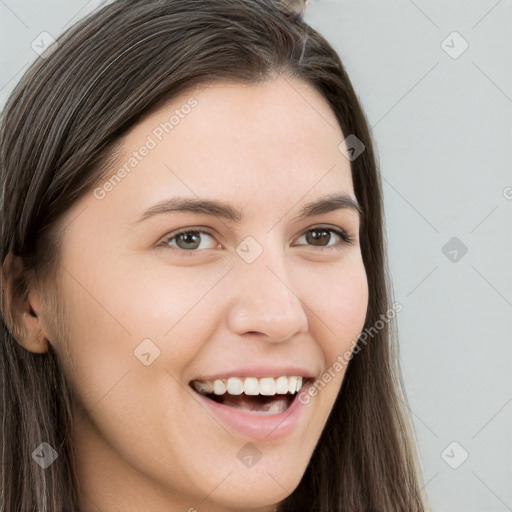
[(246, 291)]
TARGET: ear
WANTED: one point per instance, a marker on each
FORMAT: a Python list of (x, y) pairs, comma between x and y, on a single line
[(21, 305)]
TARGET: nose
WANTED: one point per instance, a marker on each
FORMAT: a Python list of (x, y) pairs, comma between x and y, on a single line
[(264, 301)]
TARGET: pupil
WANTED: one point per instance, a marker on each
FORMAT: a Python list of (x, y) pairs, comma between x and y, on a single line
[(317, 235)]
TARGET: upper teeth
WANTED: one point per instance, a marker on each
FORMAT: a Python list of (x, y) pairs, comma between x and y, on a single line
[(250, 385)]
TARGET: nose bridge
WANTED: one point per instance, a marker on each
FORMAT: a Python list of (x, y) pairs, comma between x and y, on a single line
[(264, 297)]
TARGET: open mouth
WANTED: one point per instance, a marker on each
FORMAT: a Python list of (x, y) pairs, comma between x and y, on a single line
[(266, 395)]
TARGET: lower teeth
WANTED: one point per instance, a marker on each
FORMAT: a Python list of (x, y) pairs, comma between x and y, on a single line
[(257, 404)]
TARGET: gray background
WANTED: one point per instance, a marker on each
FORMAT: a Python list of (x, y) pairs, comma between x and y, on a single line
[(441, 119)]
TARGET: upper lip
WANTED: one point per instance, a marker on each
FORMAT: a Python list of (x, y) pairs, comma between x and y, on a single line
[(260, 371)]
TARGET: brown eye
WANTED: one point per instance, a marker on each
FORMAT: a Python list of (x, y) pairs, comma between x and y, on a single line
[(318, 237), (190, 240), (325, 237)]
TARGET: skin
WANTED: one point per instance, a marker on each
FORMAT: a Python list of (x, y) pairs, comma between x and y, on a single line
[(143, 439)]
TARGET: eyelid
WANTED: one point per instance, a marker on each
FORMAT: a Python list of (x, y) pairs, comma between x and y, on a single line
[(199, 229), (346, 238)]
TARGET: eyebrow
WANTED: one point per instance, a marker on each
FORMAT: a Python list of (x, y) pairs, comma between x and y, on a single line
[(225, 211)]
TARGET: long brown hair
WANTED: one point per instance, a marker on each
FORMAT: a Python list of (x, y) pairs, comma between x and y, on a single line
[(57, 131)]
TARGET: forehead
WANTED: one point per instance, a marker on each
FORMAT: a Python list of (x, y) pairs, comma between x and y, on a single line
[(232, 131), (266, 148)]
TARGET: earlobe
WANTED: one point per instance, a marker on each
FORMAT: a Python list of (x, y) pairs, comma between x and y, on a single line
[(21, 307)]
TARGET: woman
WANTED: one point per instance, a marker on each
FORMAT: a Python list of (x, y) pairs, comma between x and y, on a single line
[(194, 298)]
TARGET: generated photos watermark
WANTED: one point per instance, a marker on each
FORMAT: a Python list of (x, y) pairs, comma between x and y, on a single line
[(343, 359), (152, 141)]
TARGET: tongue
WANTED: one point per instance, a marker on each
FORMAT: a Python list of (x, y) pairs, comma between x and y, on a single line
[(266, 404)]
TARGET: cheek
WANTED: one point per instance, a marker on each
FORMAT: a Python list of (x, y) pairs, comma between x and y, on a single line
[(156, 298), (340, 299), (113, 321), (118, 321)]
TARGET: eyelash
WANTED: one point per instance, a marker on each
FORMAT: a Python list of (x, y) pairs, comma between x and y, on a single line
[(345, 237)]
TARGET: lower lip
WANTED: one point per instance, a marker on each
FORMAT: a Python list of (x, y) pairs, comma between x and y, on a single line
[(260, 427)]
